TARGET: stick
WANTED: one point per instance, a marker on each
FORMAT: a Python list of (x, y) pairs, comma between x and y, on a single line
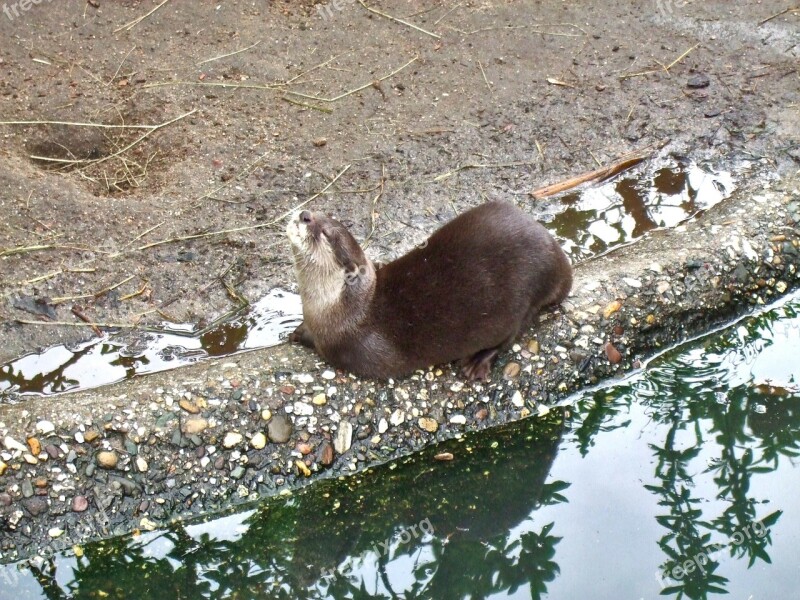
[(667, 68), (358, 89), (25, 249), (485, 79), (324, 109), (622, 164), (118, 152), (246, 86), (247, 227), (72, 124), (138, 20), (208, 60), (120, 65), (483, 166), (79, 313), (398, 20), (775, 16)]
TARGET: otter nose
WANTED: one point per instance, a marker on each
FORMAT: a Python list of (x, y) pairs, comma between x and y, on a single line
[(305, 217)]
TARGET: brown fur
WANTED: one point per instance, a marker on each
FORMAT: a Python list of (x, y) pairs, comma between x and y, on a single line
[(465, 294)]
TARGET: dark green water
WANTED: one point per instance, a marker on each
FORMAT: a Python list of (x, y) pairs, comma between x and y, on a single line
[(676, 483)]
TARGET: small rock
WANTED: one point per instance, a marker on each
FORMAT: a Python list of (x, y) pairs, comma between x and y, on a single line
[(444, 456), (328, 375), (194, 426), (45, 427), (482, 414), (55, 532), (533, 347), (30, 459), (303, 468), (148, 524), (517, 399), (238, 472), (614, 357), (3, 467), (189, 406), (344, 437), (511, 370), (457, 386), (320, 142), (5, 499), (91, 435), (107, 459), (279, 429), (458, 420), (428, 424), (325, 454), (383, 426), (27, 488), (611, 308), (52, 451), (662, 286), (11, 444), (266, 414), (232, 438), (258, 441), (141, 464), (35, 506), (319, 399), (397, 417), (304, 448), (80, 503), (698, 81)]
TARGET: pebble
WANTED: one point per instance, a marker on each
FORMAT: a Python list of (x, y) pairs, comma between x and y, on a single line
[(91, 435), (517, 399), (614, 357), (5, 499), (52, 451), (397, 418), (27, 488), (80, 503), (258, 441), (148, 524), (189, 406), (266, 414), (195, 425), (79, 437), (383, 426), (107, 459), (319, 399), (238, 472), (279, 429), (325, 454), (328, 375), (12, 444), (30, 459), (303, 468), (444, 456), (533, 347), (611, 308), (458, 420), (511, 370), (428, 424), (304, 448), (698, 81), (303, 409), (35, 506), (45, 427), (232, 438), (3, 467), (141, 464), (55, 532), (344, 437), (457, 386)]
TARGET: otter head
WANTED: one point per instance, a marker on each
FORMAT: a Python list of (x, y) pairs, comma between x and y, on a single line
[(330, 265)]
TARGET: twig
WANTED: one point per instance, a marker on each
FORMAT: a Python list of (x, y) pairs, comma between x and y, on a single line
[(113, 77), (208, 60), (439, 20), (775, 16), (121, 151), (26, 249), (374, 214), (324, 109), (79, 313), (247, 86), (484, 166), (398, 20), (137, 293), (667, 68), (247, 227), (485, 78), (353, 91), (135, 22), (75, 124), (622, 164)]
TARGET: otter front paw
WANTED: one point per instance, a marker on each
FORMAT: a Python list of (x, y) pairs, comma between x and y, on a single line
[(301, 335)]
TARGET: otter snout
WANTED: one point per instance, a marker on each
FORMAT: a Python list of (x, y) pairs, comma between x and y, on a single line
[(297, 229)]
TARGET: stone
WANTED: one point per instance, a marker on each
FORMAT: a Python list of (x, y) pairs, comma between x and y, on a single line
[(3, 467), (189, 406), (80, 503), (517, 399), (237, 472), (320, 399), (458, 420), (11, 444), (91, 435), (328, 375), (141, 464), (533, 347), (614, 356), (45, 427), (279, 429), (35, 506), (325, 454), (258, 441), (611, 308), (428, 424), (194, 426), (232, 438), (397, 417), (511, 370), (698, 81), (303, 468), (344, 437), (445, 456), (107, 459)]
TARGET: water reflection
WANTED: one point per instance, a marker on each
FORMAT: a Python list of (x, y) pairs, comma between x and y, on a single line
[(115, 357), (678, 483)]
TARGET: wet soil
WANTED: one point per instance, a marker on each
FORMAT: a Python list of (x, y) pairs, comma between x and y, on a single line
[(502, 99)]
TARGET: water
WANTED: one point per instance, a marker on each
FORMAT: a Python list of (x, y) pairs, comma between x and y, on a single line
[(689, 463), (115, 357), (588, 222)]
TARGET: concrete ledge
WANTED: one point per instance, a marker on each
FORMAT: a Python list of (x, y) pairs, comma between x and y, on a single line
[(204, 438)]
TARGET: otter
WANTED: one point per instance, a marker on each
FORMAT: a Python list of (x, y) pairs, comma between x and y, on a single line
[(464, 295)]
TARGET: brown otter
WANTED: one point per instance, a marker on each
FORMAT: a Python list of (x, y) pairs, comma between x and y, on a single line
[(464, 294)]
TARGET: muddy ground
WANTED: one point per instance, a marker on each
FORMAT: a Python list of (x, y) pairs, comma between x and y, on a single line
[(531, 91)]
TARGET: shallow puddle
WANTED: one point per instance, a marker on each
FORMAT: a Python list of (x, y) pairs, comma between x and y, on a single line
[(590, 221), (679, 482), (115, 357)]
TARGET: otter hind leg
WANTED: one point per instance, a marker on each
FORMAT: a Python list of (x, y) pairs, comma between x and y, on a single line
[(302, 335), (479, 365)]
